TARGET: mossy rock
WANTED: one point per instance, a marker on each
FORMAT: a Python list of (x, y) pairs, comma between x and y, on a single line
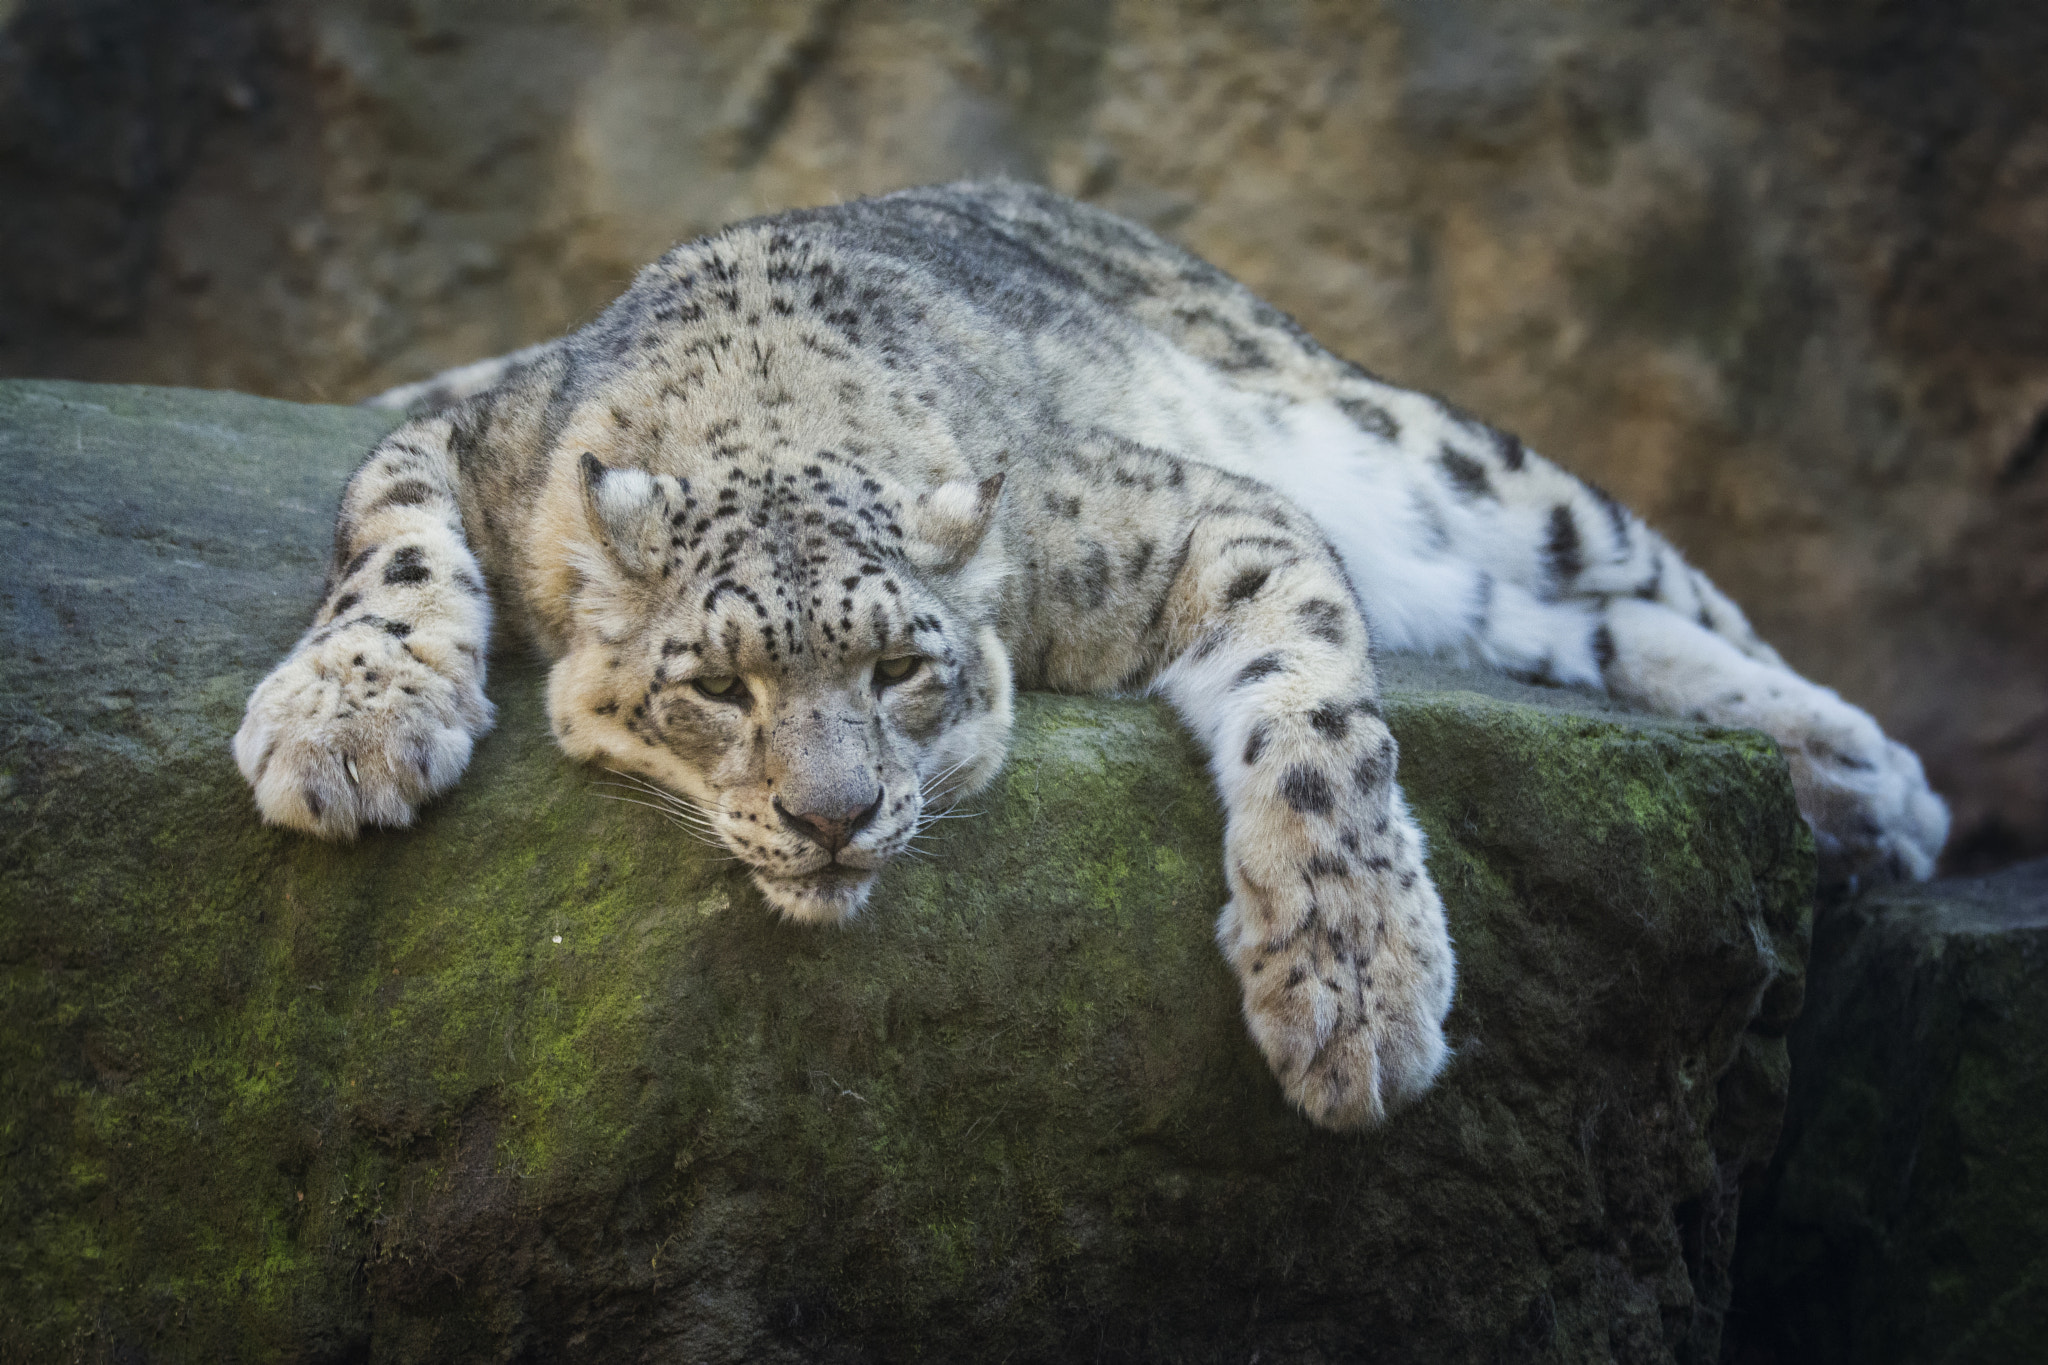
[(1907, 1217), (540, 1078)]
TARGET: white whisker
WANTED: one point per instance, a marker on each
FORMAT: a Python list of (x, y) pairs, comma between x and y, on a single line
[(662, 811), (931, 784), (724, 854), (708, 838), (682, 805), (682, 812), (652, 788)]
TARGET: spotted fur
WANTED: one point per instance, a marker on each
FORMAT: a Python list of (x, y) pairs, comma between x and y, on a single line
[(796, 514)]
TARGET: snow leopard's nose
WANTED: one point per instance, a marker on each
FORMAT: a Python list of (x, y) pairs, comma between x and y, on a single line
[(830, 829)]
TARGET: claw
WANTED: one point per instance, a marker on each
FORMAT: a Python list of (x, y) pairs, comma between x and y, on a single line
[(353, 775)]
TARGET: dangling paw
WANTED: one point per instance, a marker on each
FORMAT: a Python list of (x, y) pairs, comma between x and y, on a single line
[(1348, 1004)]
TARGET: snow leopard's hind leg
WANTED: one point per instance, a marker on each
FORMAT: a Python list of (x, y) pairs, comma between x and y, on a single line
[(377, 706), (1577, 589)]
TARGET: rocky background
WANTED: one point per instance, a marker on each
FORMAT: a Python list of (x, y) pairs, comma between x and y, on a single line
[(1773, 272)]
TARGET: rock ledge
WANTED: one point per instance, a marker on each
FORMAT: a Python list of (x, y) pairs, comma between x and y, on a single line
[(540, 1079)]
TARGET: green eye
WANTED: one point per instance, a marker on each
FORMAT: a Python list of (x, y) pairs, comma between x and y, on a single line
[(896, 670), (724, 687)]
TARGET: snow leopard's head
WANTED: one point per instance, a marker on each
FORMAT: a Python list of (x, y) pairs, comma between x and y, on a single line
[(804, 652)]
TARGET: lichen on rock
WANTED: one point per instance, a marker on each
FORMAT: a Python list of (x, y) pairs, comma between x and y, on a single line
[(540, 1077)]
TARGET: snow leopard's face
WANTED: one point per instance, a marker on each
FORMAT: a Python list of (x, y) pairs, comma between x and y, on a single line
[(803, 656)]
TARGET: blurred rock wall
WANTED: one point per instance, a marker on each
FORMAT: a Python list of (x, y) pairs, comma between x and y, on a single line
[(1774, 272)]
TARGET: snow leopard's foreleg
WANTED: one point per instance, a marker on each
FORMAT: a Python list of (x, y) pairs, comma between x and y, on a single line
[(1163, 575), (1333, 926), (377, 706)]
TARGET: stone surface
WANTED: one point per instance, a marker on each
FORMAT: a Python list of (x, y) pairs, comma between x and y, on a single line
[(541, 1079), (1906, 1218), (1771, 272)]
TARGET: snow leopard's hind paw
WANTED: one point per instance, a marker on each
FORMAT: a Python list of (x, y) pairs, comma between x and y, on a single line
[(1873, 815)]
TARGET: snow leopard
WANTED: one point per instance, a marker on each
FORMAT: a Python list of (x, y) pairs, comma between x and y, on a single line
[(797, 515)]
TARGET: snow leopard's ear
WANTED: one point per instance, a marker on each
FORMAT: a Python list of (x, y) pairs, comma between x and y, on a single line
[(629, 511), (947, 523)]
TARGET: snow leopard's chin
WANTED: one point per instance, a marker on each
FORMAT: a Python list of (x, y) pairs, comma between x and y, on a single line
[(829, 897)]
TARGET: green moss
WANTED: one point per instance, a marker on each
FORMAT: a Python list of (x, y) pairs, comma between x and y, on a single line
[(272, 1099)]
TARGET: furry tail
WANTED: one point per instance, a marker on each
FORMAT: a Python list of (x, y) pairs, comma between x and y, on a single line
[(450, 387)]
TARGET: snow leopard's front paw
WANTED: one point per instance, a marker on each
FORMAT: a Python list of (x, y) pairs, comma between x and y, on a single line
[(1348, 1002), (1874, 817), (357, 729)]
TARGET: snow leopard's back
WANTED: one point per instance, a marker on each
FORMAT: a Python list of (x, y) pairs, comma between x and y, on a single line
[(1458, 538)]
